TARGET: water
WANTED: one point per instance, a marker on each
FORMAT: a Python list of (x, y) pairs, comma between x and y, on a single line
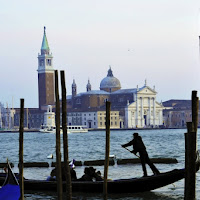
[(91, 146)]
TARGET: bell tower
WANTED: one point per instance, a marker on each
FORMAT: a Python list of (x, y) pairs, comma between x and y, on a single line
[(88, 86), (45, 75), (74, 89)]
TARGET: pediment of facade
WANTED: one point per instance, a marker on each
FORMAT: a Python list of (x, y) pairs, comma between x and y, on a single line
[(145, 105), (147, 91)]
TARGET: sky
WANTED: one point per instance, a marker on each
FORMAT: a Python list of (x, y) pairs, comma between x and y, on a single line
[(156, 40)]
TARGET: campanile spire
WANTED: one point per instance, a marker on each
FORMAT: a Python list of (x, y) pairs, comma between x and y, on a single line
[(45, 75), (45, 46)]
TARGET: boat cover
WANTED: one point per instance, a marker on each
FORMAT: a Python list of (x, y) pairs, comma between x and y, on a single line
[(10, 189)]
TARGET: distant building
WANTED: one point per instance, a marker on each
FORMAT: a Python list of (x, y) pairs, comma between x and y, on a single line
[(45, 75), (130, 108), (33, 118), (145, 111), (6, 117), (94, 120), (177, 113), (137, 107)]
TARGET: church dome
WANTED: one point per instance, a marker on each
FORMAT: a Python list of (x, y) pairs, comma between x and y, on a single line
[(110, 83)]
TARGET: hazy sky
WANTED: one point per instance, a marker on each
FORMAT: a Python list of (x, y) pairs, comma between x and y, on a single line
[(155, 40)]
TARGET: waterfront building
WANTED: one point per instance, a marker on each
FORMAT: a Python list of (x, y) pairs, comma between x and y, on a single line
[(177, 113), (33, 118), (137, 107), (94, 119), (6, 117)]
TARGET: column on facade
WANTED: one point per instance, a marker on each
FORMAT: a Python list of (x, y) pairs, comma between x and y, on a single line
[(127, 117), (133, 119), (170, 119), (142, 112), (154, 111), (160, 118), (149, 116), (137, 112)]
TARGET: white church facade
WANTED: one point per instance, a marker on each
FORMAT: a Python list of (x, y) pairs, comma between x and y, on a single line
[(145, 111)]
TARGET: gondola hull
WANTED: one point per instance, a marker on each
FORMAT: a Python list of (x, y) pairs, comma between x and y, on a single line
[(133, 185), (115, 186)]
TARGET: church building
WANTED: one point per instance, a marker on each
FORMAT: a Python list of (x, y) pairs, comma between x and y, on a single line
[(137, 107), (130, 108)]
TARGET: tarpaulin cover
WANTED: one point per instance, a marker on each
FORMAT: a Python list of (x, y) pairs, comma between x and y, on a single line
[(10, 192)]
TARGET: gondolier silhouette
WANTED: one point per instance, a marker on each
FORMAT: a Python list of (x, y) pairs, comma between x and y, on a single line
[(138, 146)]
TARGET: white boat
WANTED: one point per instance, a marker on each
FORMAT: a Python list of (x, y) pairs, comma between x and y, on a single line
[(76, 129), (50, 127), (70, 129), (47, 129)]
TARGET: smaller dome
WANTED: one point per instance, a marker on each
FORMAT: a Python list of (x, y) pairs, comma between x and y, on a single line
[(110, 83)]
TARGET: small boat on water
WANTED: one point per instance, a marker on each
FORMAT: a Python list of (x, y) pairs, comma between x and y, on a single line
[(76, 129), (47, 129), (70, 129), (10, 189), (50, 127), (132, 185)]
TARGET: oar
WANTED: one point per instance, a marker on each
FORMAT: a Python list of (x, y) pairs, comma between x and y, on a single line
[(131, 152)]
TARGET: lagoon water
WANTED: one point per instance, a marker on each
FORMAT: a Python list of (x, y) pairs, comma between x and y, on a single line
[(168, 143)]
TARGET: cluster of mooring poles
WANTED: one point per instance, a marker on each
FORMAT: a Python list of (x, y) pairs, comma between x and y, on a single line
[(191, 151), (58, 154), (68, 188), (65, 142)]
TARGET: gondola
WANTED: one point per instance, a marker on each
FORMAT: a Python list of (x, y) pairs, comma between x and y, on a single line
[(10, 189), (133, 185)]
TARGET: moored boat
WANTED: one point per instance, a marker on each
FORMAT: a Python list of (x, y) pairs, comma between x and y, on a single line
[(47, 129), (10, 189), (132, 185), (70, 129), (115, 186), (76, 129)]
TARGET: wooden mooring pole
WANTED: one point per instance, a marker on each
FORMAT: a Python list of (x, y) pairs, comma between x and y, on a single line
[(195, 109), (190, 151), (21, 147), (106, 164), (65, 138), (58, 154)]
